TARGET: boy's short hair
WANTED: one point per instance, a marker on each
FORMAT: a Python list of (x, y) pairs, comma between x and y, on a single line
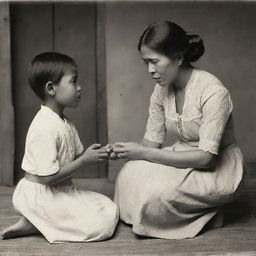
[(48, 67)]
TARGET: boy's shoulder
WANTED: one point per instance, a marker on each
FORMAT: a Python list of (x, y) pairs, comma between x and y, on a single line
[(43, 123)]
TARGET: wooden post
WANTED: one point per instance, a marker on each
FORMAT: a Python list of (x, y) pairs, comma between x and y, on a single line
[(6, 104), (101, 82)]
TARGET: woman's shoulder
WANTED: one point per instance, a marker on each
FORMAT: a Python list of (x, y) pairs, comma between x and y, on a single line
[(204, 86), (207, 84), (206, 80)]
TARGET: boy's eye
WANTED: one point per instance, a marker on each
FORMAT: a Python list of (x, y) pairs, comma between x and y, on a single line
[(154, 61), (73, 79)]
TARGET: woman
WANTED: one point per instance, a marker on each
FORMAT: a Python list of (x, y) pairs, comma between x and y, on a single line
[(174, 192)]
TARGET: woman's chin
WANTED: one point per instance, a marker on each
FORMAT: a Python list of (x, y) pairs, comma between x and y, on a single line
[(162, 83)]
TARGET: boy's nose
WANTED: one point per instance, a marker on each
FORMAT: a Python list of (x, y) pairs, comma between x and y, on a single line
[(79, 88)]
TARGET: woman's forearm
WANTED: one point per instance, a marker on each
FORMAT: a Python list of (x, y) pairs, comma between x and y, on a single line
[(180, 159), (150, 144)]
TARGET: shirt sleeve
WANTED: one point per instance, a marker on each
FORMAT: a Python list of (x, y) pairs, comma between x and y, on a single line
[(41, 153), (217, 107), (155, 128)]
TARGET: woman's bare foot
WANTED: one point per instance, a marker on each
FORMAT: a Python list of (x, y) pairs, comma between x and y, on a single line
[(22, 228)]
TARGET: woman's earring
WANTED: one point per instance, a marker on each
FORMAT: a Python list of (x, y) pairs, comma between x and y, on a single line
[(180, 61)]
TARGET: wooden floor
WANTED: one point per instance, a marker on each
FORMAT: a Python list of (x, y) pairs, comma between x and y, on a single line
[(237, 237)]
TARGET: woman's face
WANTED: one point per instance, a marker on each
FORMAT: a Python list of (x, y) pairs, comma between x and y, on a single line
[(163, 69)]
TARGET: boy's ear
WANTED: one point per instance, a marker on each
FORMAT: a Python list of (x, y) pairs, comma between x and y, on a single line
[(50, 88)]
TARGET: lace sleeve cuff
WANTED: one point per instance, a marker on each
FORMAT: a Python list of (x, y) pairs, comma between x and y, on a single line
[(209, 146), (154, 136)]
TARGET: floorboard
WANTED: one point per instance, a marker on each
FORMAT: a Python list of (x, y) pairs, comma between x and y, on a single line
[(237, 237)]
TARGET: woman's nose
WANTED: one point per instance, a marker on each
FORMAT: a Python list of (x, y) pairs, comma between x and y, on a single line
[(151, 68)]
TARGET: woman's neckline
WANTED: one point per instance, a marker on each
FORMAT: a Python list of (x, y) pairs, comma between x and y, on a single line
[(190, 81)]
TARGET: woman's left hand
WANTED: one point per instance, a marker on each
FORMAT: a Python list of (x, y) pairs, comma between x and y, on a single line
[(129, 150)]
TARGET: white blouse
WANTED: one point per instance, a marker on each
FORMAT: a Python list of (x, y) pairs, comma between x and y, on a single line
[(51, 143), (206, 121)]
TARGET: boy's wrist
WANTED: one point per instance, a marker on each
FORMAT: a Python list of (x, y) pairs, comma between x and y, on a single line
[(83, 160)]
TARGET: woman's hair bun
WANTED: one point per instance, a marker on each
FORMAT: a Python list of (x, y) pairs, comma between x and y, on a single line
[(195, 49)]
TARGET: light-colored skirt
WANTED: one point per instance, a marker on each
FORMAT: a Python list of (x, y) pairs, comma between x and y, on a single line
[(66, 213), (175, 203)]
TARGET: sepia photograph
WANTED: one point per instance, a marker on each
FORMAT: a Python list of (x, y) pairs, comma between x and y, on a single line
[(127, 128)]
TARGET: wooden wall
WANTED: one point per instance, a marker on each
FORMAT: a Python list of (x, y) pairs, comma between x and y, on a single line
[(6, 105), (229, 33), (69, 28)]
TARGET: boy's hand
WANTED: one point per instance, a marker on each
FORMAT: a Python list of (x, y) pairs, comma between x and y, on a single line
[(94, 154)]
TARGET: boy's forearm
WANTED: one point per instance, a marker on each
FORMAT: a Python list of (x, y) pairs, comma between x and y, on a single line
[(77, 156), (64, 172)]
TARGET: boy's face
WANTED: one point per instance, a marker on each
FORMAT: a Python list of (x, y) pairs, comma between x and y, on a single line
[(68, 92)]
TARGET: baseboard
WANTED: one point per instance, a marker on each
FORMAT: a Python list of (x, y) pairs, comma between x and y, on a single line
[(250, 175)]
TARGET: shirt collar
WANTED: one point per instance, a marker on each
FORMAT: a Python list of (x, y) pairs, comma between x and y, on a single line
[(51, 113)]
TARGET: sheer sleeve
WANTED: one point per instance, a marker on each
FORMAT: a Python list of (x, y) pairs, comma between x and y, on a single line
[(155, 129), (216, 108)]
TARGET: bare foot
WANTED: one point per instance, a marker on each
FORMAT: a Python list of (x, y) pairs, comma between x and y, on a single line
[(22, 228)]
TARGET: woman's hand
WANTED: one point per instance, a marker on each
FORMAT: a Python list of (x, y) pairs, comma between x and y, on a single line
[(129, 150)]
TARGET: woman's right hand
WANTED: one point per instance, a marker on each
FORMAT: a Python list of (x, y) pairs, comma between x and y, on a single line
[(94, 154)]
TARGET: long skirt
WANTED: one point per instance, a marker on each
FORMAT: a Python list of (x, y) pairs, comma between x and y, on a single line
[(175, 203)]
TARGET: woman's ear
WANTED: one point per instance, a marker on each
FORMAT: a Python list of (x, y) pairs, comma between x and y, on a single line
[(50, 88)]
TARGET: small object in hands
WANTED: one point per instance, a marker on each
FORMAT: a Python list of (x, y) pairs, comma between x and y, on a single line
[(113, 155), (109, 149)]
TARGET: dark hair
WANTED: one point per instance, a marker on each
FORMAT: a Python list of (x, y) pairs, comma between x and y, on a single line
[(171, 40), (48, 67)]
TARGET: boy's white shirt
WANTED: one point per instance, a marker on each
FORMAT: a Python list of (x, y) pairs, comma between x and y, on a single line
[(50, 144)]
